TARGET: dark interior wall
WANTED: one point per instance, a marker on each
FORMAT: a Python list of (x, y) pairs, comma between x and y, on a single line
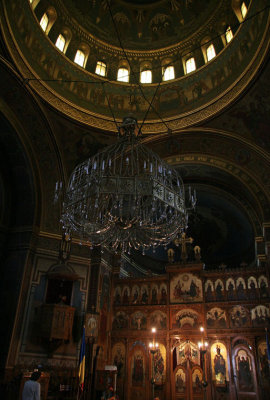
[(17, 209)]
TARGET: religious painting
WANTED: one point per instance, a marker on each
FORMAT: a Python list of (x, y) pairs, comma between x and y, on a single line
[(125, 295), (263, 285), (117, 296), (219, 363), (180, 381), (216, 318), (244, 371), (138, 320), (158, 319), (252, 283), (252, 287), (187, 351), (241, 289), (160, 365), (219, 288), (209, 290), (163, 294), (230, 287), (260, 316), (91, 325), (120, 320), (137, 368), (187, 318), (239, 317), (186, 288), (263, 361), (118, 358), (154, 294), (145, 295), (135, 294), (197, 380)]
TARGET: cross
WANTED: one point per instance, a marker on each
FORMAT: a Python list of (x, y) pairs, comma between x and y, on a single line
[(183, 241)]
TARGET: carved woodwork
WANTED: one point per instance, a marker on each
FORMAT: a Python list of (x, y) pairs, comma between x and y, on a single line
[(56, 321)]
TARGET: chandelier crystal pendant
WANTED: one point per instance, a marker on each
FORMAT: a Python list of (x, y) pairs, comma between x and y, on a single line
[(125, 196)]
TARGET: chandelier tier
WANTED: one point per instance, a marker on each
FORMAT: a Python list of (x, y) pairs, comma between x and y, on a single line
[(125, 196)]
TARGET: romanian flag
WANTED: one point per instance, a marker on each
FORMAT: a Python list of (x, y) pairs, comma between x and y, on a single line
[(82, 361), (268, 347)]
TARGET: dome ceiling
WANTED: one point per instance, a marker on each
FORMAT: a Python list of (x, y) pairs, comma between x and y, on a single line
[(142, 24)]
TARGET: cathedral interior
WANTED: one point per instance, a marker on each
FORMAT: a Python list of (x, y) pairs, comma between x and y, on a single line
[(186, 321)]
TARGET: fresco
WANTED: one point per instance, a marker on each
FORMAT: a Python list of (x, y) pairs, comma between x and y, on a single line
[(216, 318), (160, 365), (187, 318), (185, 288), (180, 381), (260, 316), (239, 317), (244, 371), (219, 363), (187, 351), (158, 319)]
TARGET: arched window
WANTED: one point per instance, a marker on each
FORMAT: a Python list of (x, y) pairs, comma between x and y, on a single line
[(228, 34), (60, 42), (101, 68), (44, 22), (243, 9), (79, 58), (190, 65), (146, 76), (210, 52), (168, 73), (123, 74)]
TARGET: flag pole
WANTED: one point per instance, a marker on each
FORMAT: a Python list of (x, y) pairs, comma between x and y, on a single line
[(81, 372)]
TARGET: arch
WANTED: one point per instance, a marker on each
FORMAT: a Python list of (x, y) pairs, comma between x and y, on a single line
[(239, 281), (262, 281), (219, 281), (48, 19), (208, 283), (252, 279), (230, 281)]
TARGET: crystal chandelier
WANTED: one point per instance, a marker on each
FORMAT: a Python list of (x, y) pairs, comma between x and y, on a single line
[(125, 196)]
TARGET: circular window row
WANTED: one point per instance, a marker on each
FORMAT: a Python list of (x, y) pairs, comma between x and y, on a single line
[(209, 50)]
